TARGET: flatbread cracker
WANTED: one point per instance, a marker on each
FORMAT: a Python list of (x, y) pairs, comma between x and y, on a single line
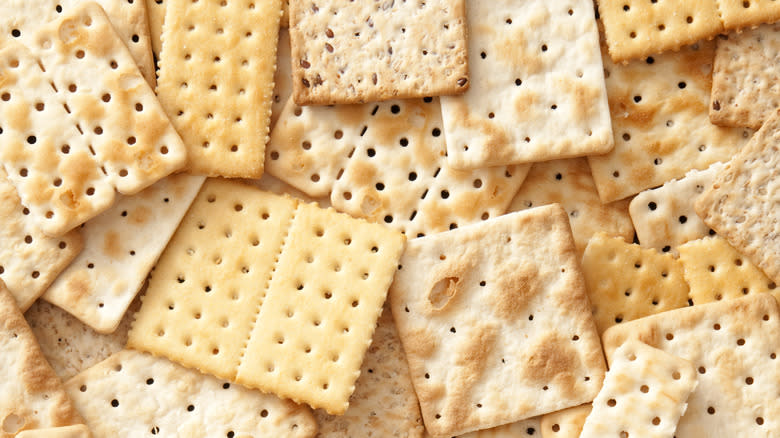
[(566, 423), (738, 14), (490, 342), (356, 52)]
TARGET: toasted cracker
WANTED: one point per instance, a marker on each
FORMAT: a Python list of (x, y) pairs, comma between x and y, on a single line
[(356, 52), (737, 14), (120, 248), (566, 423), (626, 281), (216, 81), (733, 345), (537, 91), (644, 394), (282, 77), (156, 11), (569, 183), (136, 394), (75, 431), (490, 342)]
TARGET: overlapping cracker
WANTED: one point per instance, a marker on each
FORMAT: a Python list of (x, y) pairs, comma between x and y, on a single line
[(524, 428), (733, 345), (537, 90), (660, 119), (282, 77), (566, 423), (356, 52), (569, 183), (120, 248), (156, 11), (644, 394), (216, 81), (136, 394), (495, 322), (272, 184), (626, 281), (738, 14), (75, 431)]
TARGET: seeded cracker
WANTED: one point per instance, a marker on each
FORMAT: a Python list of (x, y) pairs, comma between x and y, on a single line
[(566, 423)]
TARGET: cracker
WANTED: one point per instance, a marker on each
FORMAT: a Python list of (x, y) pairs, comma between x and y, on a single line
[(626, 281), (29, 260), (635, 29), (644, 394), (491, 341), (120, 248), (285, 21), (216, 81), (524, 428), (272, 184), (75, 431), (33, 396), (355, 52), (737, 14), (733, 345), (156, 10), (282, 77), (664, 217), (537, 91), (660, 119), (569, 183), (384, 403), (136, 394), (741, 205), (566, 423)]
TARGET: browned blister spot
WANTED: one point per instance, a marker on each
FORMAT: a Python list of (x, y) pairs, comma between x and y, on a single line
[(112, 245), (515, 288), (552, 360), (421, 343), (140, 215), (79, 285)]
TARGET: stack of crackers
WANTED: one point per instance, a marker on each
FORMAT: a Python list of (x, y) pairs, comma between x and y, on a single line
[(438, 218)]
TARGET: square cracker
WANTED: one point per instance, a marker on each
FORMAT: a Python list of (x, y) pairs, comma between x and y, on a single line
[(495, 322), (626, 281), (136, 394), (216, 81), (121, 246), (733, 344), (569, 183), (737, 14), (355, 52), (29, 260), (537, 90), (741, 205), (638, 28), (644, 394), (660, 119), (566, 423)]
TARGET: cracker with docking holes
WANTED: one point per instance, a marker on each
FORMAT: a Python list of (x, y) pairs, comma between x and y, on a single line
[(216, 81), (626, 281), (135, 394), (733, 344), (738, 14), (660, 118), (356, 52), (566, 423), (644, 394), (75, 431), (121, 246), (524, 428), (495, 322), (537, 86), (272, 184)]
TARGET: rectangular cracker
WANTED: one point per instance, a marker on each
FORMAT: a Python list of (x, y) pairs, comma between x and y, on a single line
[(626, 281), (733, 345), (566, 423), (356, 52), (741, 205), (660, 119), (495, 322), (738, 14), (120, 248), (216, 81), (664, 217), (136, 394), (569, 183), (644, 394), (537, 86), (638, 28)]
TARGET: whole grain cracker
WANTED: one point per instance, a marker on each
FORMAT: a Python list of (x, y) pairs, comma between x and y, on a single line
[(282, 77), (537, 90), (626, 281), (733, 345), (566, 423), (737, 14), (495, 322), (75, 431), (356, 52), (216, 81)]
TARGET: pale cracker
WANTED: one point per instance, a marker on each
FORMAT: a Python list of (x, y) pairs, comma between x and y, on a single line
[(282, 77), (566, 423), (491, 341), (569, 183), (741, 205), (136, 394), (120, 248), (644, 394), (156, 11), (216, 81), (737, 14), (635, 29), (537, 90), (733, 344), (29, 260), (626, 281), (75, 431), (660, 119), (664, 217), (272, 184), (519, 429), (356, 52)]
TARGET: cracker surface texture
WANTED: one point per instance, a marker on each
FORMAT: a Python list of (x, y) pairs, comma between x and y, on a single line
[(566, 423), (75, 431), (738, 14)]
